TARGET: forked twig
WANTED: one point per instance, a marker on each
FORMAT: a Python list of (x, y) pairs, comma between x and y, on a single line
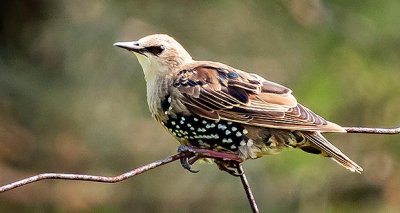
[(247, 189), (140, 170)]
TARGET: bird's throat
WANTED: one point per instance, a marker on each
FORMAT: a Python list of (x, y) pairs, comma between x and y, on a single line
[(150, 70)]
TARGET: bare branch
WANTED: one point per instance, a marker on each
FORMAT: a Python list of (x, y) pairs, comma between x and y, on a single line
[(247, 189), (93, 178), (372, 130), (202, 153)]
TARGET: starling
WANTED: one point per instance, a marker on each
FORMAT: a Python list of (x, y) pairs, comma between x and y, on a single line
[(210, 105)]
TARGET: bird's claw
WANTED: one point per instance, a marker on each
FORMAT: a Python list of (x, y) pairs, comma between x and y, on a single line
[(187, 165), (189, 159)]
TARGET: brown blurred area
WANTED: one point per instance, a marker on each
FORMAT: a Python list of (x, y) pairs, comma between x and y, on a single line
[(71, 102)]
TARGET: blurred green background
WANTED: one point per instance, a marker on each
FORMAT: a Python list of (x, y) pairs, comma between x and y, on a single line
[(71, 102)]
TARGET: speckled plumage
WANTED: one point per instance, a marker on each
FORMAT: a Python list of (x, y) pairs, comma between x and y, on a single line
[(214, 106)]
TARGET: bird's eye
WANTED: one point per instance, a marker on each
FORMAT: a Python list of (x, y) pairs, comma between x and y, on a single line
[(155, 50)]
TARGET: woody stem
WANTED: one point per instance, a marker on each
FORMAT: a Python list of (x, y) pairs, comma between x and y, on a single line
[(366, 130)]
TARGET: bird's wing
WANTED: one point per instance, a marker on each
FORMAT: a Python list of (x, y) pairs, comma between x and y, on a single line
[(217, 91)]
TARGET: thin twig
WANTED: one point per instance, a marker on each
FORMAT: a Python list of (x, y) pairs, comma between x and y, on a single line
[(93, 178), (366, 130), (140, 170), (247, 189)]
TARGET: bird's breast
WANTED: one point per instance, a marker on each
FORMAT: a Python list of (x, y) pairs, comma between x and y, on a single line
[(208, 134)]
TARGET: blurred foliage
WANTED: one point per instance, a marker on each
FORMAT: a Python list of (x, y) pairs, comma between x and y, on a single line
[(71, 102)]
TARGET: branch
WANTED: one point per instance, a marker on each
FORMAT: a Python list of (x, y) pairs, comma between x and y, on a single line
[(372, 130), (247, 189), (190, 152), (93, 178)]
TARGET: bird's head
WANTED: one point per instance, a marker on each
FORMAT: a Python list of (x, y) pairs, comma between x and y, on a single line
[(157, 54)]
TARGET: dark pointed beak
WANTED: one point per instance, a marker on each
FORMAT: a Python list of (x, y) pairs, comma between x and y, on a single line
[(131, 46)]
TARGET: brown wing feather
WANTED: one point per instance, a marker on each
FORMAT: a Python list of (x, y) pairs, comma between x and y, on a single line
[(216, 91)]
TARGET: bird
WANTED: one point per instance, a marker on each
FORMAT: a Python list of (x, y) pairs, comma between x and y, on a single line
[(213, 106)]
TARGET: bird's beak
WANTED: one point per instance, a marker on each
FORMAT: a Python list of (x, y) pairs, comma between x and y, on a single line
[(131, 46)]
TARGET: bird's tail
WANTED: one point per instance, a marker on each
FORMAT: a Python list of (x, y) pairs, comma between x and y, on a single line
[(317, 140)]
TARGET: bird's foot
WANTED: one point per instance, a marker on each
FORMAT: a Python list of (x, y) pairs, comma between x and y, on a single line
[(191, 157), (226, 161)]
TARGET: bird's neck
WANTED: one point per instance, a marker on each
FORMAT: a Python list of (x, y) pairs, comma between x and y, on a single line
[(157, 89), (158, 80)]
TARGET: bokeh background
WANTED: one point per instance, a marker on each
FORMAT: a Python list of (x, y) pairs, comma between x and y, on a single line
[(71, 102)]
